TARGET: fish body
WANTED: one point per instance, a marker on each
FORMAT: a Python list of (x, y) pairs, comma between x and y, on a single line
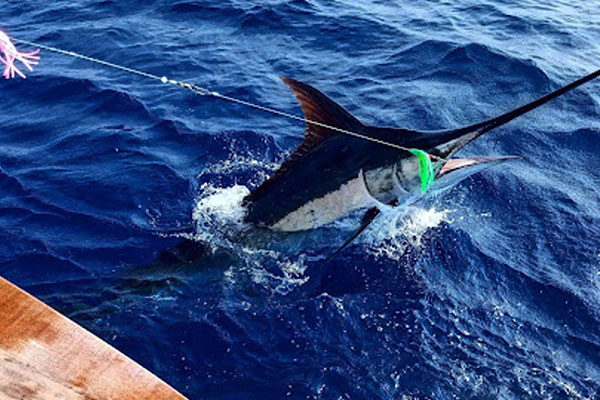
[(333, 174)]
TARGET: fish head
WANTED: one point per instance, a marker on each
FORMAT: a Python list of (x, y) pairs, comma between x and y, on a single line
[(409, 187)]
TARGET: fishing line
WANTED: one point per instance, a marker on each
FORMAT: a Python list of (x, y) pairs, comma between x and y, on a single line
[(425, 159)]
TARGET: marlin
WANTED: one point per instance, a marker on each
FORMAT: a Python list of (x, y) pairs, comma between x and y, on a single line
[(332, 175)]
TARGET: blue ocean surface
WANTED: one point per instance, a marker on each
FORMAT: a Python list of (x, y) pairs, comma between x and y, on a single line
[(120, 196)]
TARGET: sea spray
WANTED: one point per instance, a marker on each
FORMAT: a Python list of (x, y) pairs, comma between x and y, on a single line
[(218, 218), (398, 231)]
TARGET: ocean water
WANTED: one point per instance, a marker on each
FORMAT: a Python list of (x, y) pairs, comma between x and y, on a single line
[(120, 197)]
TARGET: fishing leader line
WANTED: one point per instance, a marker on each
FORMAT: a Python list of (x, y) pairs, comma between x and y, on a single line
[(11, 54)]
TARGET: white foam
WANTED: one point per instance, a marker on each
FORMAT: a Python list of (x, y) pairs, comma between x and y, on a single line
[(224, 204), (399, 231), (422, 220), (218, 213), (218, 218)]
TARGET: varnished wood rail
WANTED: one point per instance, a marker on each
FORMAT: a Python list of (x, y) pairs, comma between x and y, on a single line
[(45, 356)]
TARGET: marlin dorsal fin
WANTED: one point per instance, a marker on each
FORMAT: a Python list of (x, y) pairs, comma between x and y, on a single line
[(318, 107)]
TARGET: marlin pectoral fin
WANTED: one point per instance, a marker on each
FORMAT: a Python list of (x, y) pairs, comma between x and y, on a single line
[(318, 272), (369, 217)]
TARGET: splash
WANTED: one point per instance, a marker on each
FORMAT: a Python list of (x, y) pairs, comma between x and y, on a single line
[(218, 218), (218, 208), (421, 220), (11, 55), (399, 231)]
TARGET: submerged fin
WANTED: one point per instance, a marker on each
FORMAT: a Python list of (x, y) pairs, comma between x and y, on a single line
[(369, 217), (318, 272)]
